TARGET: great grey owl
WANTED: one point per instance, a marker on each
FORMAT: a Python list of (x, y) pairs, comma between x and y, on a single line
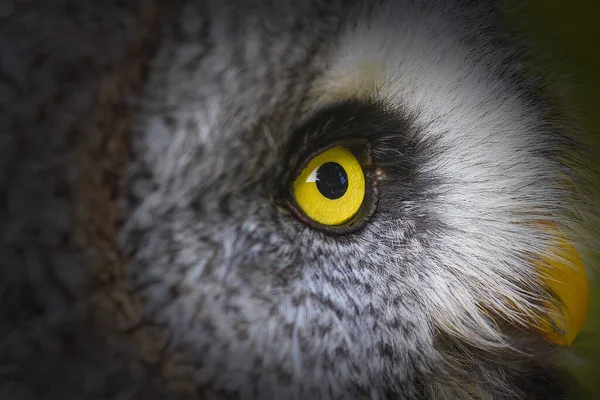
[(283, 199)]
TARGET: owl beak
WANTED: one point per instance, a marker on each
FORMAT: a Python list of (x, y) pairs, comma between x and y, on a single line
[(564, 273)]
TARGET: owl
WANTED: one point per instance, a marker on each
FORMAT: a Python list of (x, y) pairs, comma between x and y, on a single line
[(253, 199)]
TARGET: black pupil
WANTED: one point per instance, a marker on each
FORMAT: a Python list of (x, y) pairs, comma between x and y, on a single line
[(332, 180)]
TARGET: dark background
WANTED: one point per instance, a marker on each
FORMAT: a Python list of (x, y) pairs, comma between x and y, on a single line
[(565, 40)]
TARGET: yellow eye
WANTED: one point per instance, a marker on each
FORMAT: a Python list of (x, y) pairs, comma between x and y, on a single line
[(331, 188)]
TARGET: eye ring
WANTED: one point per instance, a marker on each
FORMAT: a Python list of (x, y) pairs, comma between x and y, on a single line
[(361, 153)]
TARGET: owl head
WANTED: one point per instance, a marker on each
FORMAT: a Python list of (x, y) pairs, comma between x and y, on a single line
[(327, 200)]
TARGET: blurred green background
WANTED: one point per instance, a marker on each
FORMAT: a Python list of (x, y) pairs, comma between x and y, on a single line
[(565, 40)]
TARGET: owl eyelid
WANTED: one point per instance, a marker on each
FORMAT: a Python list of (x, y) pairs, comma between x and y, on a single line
[(366, 161)]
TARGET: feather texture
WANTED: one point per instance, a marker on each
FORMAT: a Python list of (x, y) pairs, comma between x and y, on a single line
[(147, 251)]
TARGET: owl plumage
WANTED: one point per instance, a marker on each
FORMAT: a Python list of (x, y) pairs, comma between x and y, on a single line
[(149, 251)]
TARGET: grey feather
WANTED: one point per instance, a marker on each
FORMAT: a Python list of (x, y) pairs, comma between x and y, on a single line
[(146, 251)]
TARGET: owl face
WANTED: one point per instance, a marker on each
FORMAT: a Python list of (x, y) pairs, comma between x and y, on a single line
[(335, 201)]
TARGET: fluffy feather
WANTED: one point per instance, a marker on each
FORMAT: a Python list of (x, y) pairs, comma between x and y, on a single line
[(168, 265)]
